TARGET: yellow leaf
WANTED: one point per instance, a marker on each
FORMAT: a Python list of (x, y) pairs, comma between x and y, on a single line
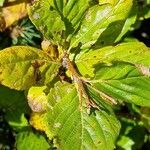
[(36, 120), (14, 10)]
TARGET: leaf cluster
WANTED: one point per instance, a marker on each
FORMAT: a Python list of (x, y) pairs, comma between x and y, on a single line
[(83, 76)]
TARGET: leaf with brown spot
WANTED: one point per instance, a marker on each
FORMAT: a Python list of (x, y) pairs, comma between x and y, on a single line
[(22, 67)]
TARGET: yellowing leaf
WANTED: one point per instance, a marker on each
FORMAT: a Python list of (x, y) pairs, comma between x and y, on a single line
[(37, 99), (22, 67), (36, 120), (13, 11)]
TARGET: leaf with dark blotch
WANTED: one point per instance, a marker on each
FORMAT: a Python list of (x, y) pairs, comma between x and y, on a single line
[(22, 67)]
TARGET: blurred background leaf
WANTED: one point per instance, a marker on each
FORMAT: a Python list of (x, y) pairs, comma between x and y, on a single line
[(14, 106), (2, 2), (29, 140)]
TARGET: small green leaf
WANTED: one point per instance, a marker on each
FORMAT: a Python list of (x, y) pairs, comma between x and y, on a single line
[(70, 126), (125, 143), (27, 140), (24, 66)]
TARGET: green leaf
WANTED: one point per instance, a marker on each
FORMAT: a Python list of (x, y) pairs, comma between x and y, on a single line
[(130, 21), (57, 19), (82, 21), (119, 81), (114, 72), (15, 105), (125, 143), (2, 2), (57, 93), (24, 66), (27, 140), (71, 127), (102, 23), (134, 52), (46, 18)]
